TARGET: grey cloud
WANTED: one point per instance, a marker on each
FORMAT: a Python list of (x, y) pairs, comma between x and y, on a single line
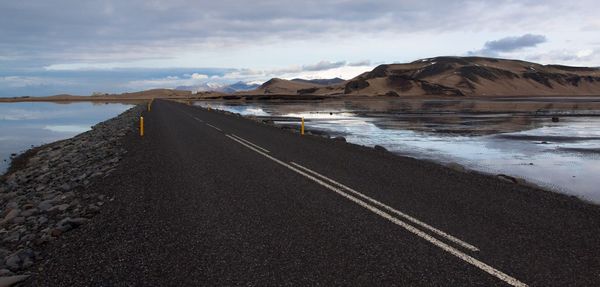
[(360, 63), (582, 57), (324, 65), (69, 31), (509, 44)]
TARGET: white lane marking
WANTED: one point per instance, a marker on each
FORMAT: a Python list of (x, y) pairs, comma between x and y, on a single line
[(465, 257), (216, 128), (391, 209), (250, 143), (198, 119)]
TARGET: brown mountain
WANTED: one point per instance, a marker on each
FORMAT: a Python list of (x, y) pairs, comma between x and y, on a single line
[(475, 76), (324, 82)]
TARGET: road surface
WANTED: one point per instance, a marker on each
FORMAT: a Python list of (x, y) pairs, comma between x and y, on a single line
[(208, 198)]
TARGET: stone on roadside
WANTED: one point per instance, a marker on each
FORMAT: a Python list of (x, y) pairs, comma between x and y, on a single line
[(60, 207), (45, 205), (74, 222), (29, 212), (379, 148), (10, 216), (12, 280), (20, 259), (5, 272)]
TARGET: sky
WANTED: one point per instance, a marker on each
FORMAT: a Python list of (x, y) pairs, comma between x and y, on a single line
[(110, 46)]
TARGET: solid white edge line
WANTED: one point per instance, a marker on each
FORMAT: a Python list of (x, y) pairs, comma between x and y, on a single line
[(216, 128), (465, 257), (391, 209), (250, 143)]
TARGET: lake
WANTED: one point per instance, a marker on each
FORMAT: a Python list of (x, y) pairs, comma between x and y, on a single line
[(23, 125), (514, 138)]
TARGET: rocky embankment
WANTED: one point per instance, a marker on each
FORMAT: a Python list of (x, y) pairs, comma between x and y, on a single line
[(43, 195)]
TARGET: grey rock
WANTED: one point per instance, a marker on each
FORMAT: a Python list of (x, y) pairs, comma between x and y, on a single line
[(18, 219), (380, 148), (60, 207), (12, 280), (42, 220), (28, 237), (45, 205), (5, 272), (10, 216), (75, 222), (12, 204), (11, 238), (20, 259), (65, 187), (507, 178), (13, 262), (29, 212), (6, 195)]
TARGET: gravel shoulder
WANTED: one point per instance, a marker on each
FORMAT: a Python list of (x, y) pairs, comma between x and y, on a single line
[(45, 192)]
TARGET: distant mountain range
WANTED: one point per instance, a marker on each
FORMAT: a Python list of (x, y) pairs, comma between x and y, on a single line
[(242, 86), (216, 87), (450, 76), (440, 76)]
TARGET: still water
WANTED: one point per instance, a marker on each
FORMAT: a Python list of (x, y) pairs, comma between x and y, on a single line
[(23, 125), (562, 156)]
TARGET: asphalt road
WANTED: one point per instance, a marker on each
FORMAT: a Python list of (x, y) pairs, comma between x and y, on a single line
[(207, 198)]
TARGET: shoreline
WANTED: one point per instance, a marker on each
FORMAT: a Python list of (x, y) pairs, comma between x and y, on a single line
[(519, 181), (43, 192)]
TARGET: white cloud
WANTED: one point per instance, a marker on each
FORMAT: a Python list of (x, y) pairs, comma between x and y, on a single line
[(320, 70), (25, 81), (197, 76), (584, 57)]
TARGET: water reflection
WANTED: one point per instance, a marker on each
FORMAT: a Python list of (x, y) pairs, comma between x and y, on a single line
[(563, 156), (23, 125)]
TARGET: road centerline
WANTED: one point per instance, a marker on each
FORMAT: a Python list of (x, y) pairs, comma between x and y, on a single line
[(438, 243), (393, 210), (216, 128), (250, 143)]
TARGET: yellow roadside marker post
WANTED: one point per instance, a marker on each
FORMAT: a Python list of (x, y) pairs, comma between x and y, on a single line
[(302, 127), (141, 126)]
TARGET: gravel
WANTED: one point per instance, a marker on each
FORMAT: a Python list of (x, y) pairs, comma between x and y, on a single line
[(45, 192)]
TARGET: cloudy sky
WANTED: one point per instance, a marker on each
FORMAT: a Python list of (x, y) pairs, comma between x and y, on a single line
[(60, 46)]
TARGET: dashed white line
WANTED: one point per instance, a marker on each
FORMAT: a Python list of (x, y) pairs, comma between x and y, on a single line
[(198, 119), (465, 257), (391, 209), (250, 143), (216, 128)]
